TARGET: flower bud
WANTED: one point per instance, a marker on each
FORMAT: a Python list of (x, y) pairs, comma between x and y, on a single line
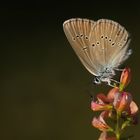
[(133, 108), (122, 101), (100, 122), (98, 107), (102, 103), (112, 93), (125, 78)]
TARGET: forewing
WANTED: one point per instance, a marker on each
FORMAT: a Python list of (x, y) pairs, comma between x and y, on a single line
[(110, 42), (78, 34)]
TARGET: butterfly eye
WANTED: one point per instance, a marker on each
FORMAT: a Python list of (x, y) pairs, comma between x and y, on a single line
[(96, 81)]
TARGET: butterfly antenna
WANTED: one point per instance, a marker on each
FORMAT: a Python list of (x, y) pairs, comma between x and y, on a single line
[(117, 69)]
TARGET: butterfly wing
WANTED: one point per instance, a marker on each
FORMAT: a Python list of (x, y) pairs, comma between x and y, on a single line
[(121, 56), (78, 34), (110, 40)]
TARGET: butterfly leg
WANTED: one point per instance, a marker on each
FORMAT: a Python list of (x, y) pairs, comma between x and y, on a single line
[(109, 82), (113, 83)]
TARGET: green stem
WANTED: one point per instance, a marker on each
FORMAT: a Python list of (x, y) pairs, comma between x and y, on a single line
[(117, 127)]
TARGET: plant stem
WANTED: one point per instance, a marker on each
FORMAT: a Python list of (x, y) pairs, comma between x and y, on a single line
[(117, 127)]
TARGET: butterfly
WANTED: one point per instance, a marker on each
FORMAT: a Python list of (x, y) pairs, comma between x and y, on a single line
[(102, 46)]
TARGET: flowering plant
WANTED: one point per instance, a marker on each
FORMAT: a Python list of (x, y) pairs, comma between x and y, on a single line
[(118, 107)]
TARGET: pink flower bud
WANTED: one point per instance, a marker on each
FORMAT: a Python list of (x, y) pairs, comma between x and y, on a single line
[(125, 78), (102, 103), (122, 101), (98, 107), (112, 93), (133, 112), (100, 122), (133, 108)]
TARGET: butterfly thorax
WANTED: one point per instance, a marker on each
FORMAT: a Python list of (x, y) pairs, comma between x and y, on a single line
[(106, 74)]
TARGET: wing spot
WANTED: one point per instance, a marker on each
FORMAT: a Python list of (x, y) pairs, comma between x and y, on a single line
[(86, 37), (118, 33), (81, 35), (84, 48), (102, 36), (98, 43), (77, 36), (113, 44), (119, 44), (74, 38), (125, 39), (93, 45), (110, 40), (106, 37)]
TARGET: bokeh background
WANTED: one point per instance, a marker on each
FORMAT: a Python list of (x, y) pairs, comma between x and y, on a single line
[(44, 89)]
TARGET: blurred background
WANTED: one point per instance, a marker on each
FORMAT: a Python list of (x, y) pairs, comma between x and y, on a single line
[(44, 88)]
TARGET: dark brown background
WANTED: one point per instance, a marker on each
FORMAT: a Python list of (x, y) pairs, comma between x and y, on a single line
[(43, 86)]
